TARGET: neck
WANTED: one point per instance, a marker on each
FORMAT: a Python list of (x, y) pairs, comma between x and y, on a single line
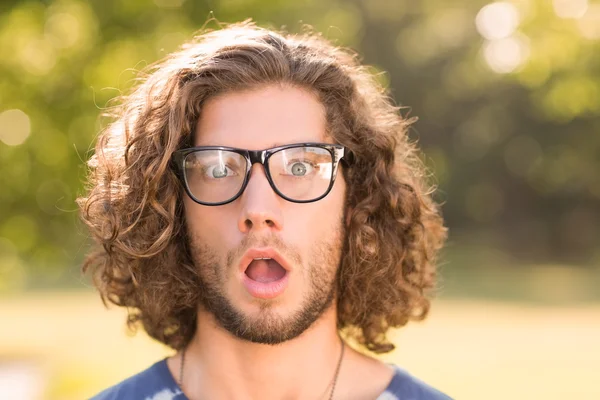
[(219, 365)]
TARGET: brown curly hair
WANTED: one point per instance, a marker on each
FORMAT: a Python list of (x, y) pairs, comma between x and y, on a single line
[(134, 208)]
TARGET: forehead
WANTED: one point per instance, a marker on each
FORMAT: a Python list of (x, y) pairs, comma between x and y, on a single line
[(261, 118)]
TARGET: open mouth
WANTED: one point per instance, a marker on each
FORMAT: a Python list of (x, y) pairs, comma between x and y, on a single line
[(265, 270)]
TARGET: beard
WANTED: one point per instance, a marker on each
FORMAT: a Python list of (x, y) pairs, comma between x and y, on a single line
[(268, 326)]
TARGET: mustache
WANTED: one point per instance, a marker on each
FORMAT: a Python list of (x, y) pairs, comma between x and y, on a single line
[(272, 240)]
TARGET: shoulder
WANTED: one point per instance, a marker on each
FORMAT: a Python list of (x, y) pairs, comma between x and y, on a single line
[(407, 387), (154, 383)]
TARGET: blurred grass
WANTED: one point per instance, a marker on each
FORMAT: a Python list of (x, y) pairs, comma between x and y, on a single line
[(470, 349), (482, 271)]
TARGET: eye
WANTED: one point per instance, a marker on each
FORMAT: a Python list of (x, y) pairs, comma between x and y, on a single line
[(299, 168), (219, 171)]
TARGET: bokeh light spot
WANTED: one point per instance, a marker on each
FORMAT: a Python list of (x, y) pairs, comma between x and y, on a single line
[(38, 56), (15, 127), (506, 55), (497, 20), (571, 97), (63, 30), (589, 24), (570, 8)]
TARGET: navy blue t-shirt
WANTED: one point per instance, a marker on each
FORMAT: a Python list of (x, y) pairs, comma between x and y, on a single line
[(157, 383)]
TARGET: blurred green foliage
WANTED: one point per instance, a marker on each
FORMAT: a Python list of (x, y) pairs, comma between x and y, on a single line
[(508, 97)]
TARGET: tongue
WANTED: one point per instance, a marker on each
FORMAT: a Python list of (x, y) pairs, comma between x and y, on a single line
[(265, 271)]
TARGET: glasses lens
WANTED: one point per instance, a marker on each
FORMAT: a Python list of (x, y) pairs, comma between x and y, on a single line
[(214, 176), (302, 173)]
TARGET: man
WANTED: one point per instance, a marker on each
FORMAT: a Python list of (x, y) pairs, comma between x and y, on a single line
[(258, 204)]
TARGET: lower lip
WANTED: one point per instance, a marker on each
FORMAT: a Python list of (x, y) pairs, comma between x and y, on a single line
[(265, 290)]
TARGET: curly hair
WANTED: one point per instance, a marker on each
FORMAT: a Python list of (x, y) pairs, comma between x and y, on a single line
[(133, 202)]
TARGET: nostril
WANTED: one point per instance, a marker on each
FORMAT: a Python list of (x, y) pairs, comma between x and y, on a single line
[(268, 222)]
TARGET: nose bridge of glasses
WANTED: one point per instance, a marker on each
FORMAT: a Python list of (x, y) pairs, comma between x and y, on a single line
[(257, 156), (258, 187)]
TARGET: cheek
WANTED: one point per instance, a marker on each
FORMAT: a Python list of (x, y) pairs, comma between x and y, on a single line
[(313, 223), (205, 225), (193, 218)]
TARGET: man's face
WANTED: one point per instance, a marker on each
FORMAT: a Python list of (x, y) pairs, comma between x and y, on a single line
[(261, 301)]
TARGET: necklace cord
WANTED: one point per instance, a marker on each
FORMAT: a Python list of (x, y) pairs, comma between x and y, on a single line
[(180, 383), (337, 369), (332, 384)]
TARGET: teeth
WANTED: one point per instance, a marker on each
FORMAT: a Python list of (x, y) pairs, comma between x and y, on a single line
[(263, 258)]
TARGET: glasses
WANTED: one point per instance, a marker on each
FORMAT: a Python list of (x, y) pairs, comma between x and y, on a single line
[(300, 173)]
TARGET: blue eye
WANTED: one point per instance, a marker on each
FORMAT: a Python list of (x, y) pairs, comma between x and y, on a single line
[(299, 168), (219, 171)]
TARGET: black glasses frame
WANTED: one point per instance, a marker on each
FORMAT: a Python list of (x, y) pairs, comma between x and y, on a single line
[(338, 152)]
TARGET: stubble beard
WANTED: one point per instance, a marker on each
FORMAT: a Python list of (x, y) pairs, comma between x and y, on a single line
[(268, 326)]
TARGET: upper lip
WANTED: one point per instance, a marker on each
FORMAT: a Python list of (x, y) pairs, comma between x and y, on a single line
[(264, 252)]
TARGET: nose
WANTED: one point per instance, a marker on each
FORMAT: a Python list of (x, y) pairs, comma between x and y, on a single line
[(261, 206)]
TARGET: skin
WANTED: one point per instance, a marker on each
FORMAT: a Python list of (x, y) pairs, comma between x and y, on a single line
[(219, 365)]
